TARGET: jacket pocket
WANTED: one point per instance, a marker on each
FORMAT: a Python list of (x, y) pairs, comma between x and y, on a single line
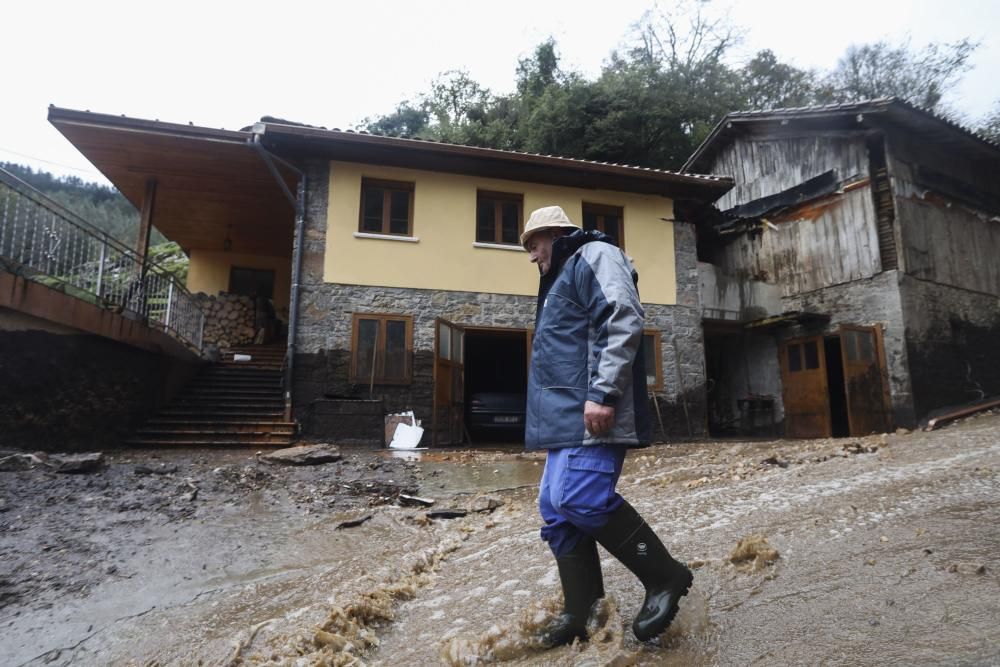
[(562, 371), (560, 415), (588, 484)]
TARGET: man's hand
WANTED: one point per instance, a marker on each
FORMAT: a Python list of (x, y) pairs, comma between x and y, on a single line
[(598, 418)]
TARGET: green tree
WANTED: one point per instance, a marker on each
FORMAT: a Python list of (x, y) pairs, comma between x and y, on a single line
[(661, 94), (102, 206), (922, 77), (408, 120), (768, 83), (989, 126)]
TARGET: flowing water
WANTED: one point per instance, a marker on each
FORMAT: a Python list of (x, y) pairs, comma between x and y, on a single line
[(878, 554)]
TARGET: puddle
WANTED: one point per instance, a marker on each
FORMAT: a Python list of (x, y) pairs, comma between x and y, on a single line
[(448, 472), (455, 479)]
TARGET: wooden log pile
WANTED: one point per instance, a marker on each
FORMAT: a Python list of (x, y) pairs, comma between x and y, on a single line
[(229, 319)]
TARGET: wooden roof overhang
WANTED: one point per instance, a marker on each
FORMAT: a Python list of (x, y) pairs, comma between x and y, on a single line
[(311, 142), (211, 184)]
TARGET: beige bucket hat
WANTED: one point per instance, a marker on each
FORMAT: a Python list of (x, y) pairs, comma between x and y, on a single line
[(546, 218)]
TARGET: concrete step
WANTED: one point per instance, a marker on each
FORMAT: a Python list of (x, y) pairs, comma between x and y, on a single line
[(235, 382), (152, 442), (238, 404), (229, 436), (224, 412), (228, 398), (264, 365), (220, 407), (236, 390), (228, 423), (228, 369)]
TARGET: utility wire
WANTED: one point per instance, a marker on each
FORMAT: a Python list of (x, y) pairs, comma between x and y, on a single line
[(55, 164)]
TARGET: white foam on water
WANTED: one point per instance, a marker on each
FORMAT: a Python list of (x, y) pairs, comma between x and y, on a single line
[(736, 501)]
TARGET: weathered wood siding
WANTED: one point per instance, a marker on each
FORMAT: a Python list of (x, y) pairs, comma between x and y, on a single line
[(945, 241), (724, 297), (904, 149), (815, 247), (764, 167)]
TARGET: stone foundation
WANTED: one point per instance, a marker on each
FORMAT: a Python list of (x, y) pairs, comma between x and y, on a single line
[(354, 421), (71, 391), (953, 344)]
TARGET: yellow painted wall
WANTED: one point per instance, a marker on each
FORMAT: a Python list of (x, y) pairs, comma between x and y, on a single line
[(208, 271), (444, 219)]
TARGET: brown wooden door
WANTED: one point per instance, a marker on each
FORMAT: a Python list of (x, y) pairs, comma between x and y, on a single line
[(864, 379), (449, 384), (805, 388)]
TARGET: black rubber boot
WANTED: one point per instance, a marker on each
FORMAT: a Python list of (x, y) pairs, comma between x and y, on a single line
[(583, 585), (629, 539)]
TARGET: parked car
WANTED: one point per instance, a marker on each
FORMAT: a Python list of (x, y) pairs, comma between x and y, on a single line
[(496, 414)]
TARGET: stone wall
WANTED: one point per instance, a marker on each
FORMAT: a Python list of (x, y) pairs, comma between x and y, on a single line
[(66, 390), (322, 359), (682, 402), (866, 302), (953, 344), (324, 339)]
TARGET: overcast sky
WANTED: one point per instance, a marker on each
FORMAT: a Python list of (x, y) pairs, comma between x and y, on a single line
[(225, 64)]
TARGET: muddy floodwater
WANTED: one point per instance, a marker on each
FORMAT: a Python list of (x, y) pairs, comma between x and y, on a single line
[(877, 550)]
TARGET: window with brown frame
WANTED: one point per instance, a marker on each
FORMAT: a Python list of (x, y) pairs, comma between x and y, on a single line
[(607, 219), (381, 349), (653, 357), (386, 207), (499, 217), (803, 356)]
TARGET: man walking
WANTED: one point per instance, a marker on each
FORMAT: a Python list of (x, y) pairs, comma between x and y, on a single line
[(587, 404)]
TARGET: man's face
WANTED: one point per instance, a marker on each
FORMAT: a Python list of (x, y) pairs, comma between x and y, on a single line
[(540, 250)]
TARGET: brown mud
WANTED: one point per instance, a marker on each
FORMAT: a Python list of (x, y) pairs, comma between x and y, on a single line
[(877, 550)]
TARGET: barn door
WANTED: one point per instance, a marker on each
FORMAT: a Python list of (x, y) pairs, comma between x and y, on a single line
[(804, 382), (864, 379), (449, 384)]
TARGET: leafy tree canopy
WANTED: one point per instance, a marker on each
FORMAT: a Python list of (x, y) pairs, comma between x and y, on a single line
[(659, 95)]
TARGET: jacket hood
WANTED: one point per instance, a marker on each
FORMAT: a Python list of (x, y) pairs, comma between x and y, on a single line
[(564, 246), (562, 249)]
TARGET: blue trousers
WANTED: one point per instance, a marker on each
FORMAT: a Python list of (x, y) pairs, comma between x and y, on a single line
[(577, 494)]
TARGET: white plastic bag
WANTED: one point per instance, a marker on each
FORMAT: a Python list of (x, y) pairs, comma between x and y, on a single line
[(406, 437)]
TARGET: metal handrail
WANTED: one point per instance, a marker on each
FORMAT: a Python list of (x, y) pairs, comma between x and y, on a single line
[(46, 242)]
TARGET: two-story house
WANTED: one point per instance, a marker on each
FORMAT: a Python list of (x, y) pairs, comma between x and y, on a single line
[(395, 262)]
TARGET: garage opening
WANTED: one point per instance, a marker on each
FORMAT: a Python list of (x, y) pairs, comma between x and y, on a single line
[(743, 381), (496, 384)]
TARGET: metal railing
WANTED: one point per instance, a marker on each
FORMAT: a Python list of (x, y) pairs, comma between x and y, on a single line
[(43, 241)]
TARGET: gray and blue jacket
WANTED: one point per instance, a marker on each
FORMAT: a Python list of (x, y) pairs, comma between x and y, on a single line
[(587, 346)]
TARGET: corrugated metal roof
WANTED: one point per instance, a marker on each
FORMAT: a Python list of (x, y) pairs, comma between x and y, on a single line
[(498, 151)]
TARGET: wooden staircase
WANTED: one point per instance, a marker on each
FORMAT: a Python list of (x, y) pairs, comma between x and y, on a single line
[(230, 404)]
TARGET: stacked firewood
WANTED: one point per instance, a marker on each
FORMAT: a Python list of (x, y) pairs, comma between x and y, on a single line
[(229, 319)]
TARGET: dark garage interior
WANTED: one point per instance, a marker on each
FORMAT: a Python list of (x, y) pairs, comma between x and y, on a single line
[(496, 382)]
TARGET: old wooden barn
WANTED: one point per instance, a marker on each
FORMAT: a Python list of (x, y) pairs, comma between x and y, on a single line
[(850, 280)]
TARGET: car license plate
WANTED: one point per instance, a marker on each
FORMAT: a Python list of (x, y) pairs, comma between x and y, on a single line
[(506, 419)]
